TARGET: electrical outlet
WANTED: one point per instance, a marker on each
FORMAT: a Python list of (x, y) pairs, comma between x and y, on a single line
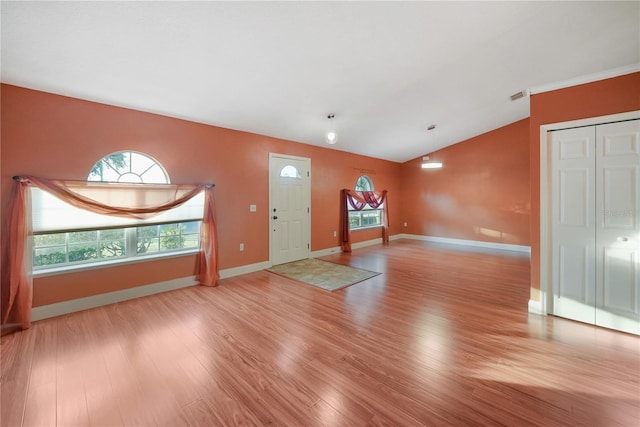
[(335, 234), (252, 208), (241, 247), (405, 223)]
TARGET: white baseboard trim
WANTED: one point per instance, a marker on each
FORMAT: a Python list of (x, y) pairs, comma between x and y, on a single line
[(358, 245), (65, 307), (536, 307), (85, 303), (244, 269), (325, 252), (540, 306), (476, 243)]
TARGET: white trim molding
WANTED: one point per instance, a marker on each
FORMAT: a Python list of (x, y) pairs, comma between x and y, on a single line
[(546, 291), (85, 303), (620, 71), (538, 307), (358, 245), (244, 269), (325, 252), (463, 242), (79, 304)]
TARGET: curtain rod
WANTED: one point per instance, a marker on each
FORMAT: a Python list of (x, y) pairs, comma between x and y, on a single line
[(17, 178)]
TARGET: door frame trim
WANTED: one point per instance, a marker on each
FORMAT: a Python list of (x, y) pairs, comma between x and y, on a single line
[(287, 156), (546, 280)]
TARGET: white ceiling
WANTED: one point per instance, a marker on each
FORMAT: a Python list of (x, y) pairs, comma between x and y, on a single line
[(386, 70)]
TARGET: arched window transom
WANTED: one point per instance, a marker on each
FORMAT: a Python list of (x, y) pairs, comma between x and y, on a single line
[(290, 171), (128, 166)]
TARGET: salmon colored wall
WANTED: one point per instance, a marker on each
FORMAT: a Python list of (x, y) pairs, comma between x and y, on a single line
[(59, 137), (601, 98), (481, 193)]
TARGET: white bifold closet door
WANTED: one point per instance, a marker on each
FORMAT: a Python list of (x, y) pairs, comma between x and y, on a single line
[(596, 224)]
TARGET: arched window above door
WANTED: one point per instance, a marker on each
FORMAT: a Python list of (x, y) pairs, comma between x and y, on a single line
[(290, 171)]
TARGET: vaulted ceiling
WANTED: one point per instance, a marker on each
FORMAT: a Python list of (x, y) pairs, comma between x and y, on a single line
[(387, 70)]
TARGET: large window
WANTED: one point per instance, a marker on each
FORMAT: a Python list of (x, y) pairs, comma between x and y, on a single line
[(367, 217), (65, 236)]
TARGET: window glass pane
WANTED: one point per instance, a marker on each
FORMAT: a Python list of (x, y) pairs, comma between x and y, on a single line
[(83, 236), (290, 171), (155, 174), (365, 218), (112, 243), (171, 237), (49, 256), (49, 239), (128, 166), (141, 163), (364, 183), (83, 252), (108, 174), (108, 168), (147, 238), (130, 177), (354, 219), (370, 218)]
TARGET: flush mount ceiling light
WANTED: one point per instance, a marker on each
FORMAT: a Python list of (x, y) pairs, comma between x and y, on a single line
[(427, 163), (332, 136)]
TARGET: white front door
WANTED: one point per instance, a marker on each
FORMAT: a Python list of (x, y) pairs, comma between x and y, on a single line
[(595, 175), (618, 226), (289, 208)]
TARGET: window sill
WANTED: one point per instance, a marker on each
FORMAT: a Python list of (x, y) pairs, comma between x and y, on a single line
[(53, 271), (369, 227)]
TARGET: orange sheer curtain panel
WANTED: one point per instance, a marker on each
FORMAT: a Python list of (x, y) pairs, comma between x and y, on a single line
[(17, 256), (118, 199), (358, 201), (208, 272)]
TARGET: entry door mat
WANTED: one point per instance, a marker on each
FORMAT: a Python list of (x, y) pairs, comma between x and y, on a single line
[(322, 274)]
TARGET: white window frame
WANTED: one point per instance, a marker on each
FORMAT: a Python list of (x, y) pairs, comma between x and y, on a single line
[(189, 212), (366, 209)]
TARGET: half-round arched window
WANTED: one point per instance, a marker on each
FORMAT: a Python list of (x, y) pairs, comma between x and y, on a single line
[(364, 183), (290, 171), (128, 166)]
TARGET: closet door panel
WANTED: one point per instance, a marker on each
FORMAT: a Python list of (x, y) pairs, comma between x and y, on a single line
[(573, 230), (618, 226)]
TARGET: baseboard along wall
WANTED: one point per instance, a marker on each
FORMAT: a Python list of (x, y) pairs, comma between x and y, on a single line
[(65, 307)]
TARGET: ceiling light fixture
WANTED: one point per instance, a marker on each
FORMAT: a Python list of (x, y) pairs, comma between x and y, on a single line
[(332, 136), (426, 162)]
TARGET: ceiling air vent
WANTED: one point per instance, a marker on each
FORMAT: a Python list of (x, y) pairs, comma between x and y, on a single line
[(519, 95)]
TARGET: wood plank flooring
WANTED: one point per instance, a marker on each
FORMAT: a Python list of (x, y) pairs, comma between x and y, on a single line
[(442, 337)]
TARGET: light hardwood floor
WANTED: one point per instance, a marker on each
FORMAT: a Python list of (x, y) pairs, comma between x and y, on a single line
[(442, 337)]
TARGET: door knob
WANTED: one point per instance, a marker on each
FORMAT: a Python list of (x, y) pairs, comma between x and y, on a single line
[(275, 217), (623, 239)]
